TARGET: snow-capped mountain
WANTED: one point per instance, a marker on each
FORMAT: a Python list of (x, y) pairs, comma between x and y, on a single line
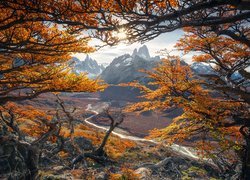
[(89, 65), (104, 64), (142, 52), (201, 68), (126, 68)]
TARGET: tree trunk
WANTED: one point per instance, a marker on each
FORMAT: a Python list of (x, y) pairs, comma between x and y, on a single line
[(246, 154), (32, 162), (20, 159), (246, 162), (99, 151)]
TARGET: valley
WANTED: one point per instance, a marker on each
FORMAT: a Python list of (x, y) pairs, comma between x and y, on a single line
[(125, 90)]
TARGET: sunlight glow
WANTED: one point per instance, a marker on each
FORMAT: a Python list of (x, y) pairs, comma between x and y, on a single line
[(120, 34)]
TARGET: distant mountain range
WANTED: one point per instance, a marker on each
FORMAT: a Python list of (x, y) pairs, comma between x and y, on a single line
[(201, 68), (89, 65), (125, 68)]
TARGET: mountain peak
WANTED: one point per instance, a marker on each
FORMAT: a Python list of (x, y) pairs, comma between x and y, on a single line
[(142, 52), (89, 65), (88, 58), (134, 52)]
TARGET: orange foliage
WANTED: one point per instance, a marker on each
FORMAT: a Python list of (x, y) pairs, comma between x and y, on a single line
[(126, 173), (211, 47), (115, 146), (35, 58), (174, 86), (63, 154), (35, 53), (31, 121), (35, 123)]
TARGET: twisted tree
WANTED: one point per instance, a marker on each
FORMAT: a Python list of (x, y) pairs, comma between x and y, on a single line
[(37, 38)]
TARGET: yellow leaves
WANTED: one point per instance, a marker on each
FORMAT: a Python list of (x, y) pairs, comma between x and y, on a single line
[(115, 146), (63, 154), (35, 123), (173, 85), (44, 48), (126, 173), (76, 83), (221, 50), (30, 120), (50, 78), (202, 58), (174, 3), (170, 79), (141, 106), (136, 84), (165, 133)]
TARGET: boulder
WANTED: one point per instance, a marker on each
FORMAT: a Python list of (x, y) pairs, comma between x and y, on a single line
[(178, 167), (145, 173), (83, 143), (101, 176)]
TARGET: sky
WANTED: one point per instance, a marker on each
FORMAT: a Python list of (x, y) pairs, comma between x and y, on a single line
[(107, 53)]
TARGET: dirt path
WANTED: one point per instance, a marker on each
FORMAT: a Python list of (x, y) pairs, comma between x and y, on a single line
[(187, 151)]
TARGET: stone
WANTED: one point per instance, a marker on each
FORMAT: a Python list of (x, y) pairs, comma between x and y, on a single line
[(145, 173), (101, 176), (58, 168), (83, 143)]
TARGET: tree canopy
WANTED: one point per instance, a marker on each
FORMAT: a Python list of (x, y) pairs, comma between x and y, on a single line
[(219, 99), (37, 39), (35, 54)]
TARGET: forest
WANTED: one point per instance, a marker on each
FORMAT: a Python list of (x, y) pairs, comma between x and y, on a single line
[(43, 135)]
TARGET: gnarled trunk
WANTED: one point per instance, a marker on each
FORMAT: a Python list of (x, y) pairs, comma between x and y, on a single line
[(246, 161), (246, 153), (19, 160)]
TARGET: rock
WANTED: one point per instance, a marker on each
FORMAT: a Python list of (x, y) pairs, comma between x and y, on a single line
[(143, 52), (57, 177), (58, 168), (101, 176), (145, 173), (177, 167), (83, 143)]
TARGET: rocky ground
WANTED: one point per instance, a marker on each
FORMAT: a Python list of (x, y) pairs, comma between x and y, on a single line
[(145, 161)]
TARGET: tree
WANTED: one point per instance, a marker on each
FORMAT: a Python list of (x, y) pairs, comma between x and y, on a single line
[(144, 20), (33, 137), (219, 31), (34, 57), (206, 119), (228, 86), (99, 155), (226, 56), (230, 60), (38, 37), (35, 52)]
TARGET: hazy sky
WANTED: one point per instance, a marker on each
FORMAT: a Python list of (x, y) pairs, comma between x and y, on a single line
[(107, 54)]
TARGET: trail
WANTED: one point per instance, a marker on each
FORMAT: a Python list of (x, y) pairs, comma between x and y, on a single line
[(187, 151)]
